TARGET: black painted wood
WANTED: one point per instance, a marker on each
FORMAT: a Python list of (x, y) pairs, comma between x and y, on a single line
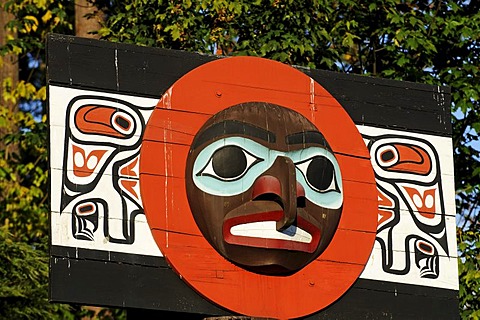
[(368, 299), (107, 256), (112, 283), (135, 285), (113, 67), (387, 103)]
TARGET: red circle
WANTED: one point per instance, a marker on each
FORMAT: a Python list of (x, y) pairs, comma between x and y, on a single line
[(180, 113)]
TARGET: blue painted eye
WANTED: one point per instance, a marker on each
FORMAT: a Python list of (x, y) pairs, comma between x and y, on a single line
[(319, 173), (229, 163)]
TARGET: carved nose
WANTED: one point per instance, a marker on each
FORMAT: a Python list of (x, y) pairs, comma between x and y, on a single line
[(279, 184)]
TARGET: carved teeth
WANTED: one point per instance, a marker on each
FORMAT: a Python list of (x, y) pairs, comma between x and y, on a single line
[(267, 230)]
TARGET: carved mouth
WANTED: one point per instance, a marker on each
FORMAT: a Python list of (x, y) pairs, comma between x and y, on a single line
[(254, 225)]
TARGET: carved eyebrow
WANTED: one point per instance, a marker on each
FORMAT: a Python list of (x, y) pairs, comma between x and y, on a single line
[(307, 137), (233, 127)]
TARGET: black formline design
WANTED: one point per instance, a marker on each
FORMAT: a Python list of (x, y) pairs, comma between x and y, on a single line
[(440, 228), (128, 218)]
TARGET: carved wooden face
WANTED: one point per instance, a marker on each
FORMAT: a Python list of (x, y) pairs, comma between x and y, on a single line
[(264, 187)]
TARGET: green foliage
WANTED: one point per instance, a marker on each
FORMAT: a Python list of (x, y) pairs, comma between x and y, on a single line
[(469, 272), (23, 176), (24, 286), (289, 31), (33, 20)]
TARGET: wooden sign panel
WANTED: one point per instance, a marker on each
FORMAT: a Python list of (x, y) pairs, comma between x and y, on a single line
[(193, 184)]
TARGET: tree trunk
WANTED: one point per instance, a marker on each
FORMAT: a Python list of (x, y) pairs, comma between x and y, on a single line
[(9, 65), (8, 70), (87, 19)]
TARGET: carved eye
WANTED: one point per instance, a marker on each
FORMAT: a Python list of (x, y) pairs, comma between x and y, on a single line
[(319, 174), (387, 156), (425, 247), (122, 122), (86, 208), (229, 163)]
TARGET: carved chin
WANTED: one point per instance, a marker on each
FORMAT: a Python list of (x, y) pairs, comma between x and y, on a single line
[(267, 260)]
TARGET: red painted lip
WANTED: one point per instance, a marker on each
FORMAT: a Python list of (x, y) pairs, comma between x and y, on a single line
[(235, 217)]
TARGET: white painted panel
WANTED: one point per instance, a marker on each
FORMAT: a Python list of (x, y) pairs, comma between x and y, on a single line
[(447, 277), (57, 146), (144, 243), (120, 208), (55, 189), (389, 260)]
